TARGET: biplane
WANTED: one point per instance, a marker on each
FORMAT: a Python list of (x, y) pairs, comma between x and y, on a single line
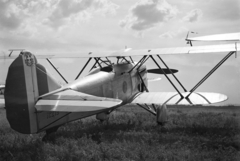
[(36, 102)]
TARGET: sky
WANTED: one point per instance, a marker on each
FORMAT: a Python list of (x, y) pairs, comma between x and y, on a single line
[(85, 25)]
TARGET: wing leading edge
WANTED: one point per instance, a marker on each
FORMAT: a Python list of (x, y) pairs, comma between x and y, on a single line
[(130, 52), (158, 51)]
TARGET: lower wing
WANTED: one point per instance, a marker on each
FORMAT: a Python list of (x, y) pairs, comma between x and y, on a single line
[(155, 102), (173, 98)]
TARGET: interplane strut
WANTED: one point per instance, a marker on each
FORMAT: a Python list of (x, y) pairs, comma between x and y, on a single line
[(211, 72)]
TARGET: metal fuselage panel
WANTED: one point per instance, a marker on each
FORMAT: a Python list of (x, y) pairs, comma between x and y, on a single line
[(119, 83)]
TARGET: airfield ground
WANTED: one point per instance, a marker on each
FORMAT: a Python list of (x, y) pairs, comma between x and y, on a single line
[(192, 133)]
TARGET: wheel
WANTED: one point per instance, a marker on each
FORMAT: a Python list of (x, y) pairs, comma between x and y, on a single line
[(102, 116), (162, 115)]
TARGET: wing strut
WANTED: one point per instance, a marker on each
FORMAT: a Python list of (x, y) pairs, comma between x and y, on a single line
[(94, 65), (97, 60), (105, 62), (148, 108), (143, 82), (108, 61), (123, 58), (167, 77), (172, 74), (211, 72), (83, 68), (57, 71), (140, 61), (131, 59), (143, 62)]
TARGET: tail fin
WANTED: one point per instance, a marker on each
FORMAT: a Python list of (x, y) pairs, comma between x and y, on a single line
[(26, 81)]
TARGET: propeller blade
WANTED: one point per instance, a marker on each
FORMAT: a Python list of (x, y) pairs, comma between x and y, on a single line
[(159, 71)]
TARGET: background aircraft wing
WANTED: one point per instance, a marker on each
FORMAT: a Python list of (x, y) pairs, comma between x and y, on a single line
[(141, 52), (218, 37), (173, 98), (72, 101)]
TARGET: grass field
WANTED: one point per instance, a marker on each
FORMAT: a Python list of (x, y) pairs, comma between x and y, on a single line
[(192, 133)]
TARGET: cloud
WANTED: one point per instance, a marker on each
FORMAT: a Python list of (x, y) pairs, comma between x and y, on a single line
[(193, 15), (148, 14), (45, 23), (9, 15), (172, 34), (54, 13), (223, 10), (67, 10)]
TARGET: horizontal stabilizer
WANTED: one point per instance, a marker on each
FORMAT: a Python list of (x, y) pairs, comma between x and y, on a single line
[(74, 106), (72, 101), (173, 98), (74, 95), (164, 70)]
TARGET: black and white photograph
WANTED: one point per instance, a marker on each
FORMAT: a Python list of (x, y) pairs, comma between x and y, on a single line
[(130, 80)]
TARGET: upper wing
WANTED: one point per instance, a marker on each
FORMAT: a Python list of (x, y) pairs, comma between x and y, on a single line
[(130, 52), (71, 101), (173, 98), (218, 37), (158, 51)]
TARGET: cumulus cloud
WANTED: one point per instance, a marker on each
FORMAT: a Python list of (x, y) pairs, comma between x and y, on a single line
[(50, 12), (47, 23), (148, 14), (79, 10), (9, 15), (193, 15), (172, 34)]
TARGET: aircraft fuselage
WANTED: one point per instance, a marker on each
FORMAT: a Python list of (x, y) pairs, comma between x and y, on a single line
[(116, 83)]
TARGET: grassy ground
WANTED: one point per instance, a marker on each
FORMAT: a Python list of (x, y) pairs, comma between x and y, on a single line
[(199, 133)]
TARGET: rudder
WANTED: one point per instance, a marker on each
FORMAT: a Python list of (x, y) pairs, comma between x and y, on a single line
[(26, 81)]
